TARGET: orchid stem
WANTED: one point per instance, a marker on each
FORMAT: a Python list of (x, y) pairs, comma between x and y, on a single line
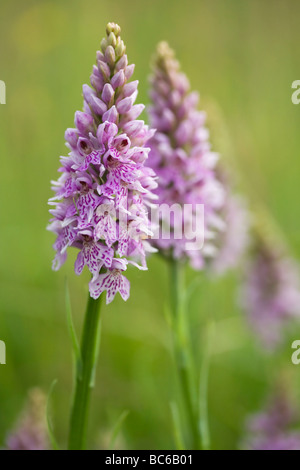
[(183, 353), (85, 375)]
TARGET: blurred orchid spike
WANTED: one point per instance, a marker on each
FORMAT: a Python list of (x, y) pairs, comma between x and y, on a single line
[(30, 432), (274, 427), (270, 294), (231, 243), (182, 158)]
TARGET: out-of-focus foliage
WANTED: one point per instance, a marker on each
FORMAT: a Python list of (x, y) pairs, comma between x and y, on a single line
[(243, 58)]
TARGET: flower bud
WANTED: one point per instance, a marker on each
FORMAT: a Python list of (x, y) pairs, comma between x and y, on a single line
[(103, 45), (97, 106), (122, 63), (110, 55), (118, 79), (107, 93), (130, 88), (104, 69), (111, 115), (71, 136), (120, 49), (84, 122), (124, 105), (129, 71), (113, 28), (111, 40)]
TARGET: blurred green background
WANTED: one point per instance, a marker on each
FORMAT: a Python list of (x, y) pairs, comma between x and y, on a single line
[(242, 56)]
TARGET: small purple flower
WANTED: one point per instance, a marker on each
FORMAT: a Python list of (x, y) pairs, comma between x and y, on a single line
[(182, 159), (102, 195), (94, 255), (271, 292), (111, 282), (30, 432), (273, 429), (105, 222)]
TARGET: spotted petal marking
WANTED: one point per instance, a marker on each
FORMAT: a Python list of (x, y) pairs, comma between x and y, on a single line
[(93, 158), (94, 255), (111, 282), (86, 204)]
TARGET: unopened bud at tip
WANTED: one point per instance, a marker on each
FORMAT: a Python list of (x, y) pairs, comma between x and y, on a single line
[(113, 28)]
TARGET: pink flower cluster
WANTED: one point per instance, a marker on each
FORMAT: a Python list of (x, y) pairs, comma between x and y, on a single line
[(102, 195), (31, 431)]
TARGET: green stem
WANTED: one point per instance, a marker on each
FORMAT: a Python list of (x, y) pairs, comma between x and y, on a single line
[(183, 352), (85, 375)]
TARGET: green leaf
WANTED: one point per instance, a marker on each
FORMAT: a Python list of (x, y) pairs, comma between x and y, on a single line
[(177, 427), (195, 283), (49, 424), (203, 390), (117, 428)]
